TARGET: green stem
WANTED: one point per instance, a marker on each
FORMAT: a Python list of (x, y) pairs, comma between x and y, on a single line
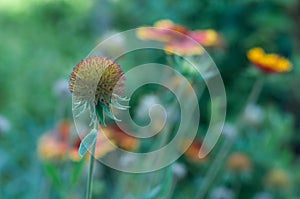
[(256, 89), (219, 160), (91, 168), (90, 175)]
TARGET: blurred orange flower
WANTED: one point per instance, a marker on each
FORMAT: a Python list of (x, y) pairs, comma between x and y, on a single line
[(179, 39), (269, 63), (239, 162), (122, 139), (59, 144), (104, 145), (192, 153), (50, 148)]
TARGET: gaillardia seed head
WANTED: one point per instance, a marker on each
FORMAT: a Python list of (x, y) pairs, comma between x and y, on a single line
[(96, 83)]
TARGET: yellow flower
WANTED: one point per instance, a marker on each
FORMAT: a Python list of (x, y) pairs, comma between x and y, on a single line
[(269, 63), (277, 179)]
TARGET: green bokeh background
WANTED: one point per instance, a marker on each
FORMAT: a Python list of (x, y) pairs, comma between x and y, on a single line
[(41, 41)]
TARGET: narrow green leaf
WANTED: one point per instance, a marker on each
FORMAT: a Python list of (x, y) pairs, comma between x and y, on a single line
[(53, 174), (87, 142), (77, 171)]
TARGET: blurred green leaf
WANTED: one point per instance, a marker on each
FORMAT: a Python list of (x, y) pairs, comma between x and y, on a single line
[(77, 171), (53, 173)]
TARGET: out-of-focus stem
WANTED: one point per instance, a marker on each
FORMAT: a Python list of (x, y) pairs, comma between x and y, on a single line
[(219, 160)]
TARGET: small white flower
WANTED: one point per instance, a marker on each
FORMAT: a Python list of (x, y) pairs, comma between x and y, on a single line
[(4, 125), (179, 170), (263, 195), (229, 130), (61, 88), (254, 115), (221, 193)]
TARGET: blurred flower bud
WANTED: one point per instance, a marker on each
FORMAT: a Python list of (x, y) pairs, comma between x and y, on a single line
[(61, 88), (239, 162), (254, 115), (179, 170), (221, 193), (277, 179), (4, 125), (229, 131), (263, 195)]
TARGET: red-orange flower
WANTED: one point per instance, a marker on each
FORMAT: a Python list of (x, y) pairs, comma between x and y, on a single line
[(179, 39), (269, 63)]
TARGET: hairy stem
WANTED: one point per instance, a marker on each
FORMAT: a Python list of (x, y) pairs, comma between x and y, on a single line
[(90, 175), (91, 168)]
